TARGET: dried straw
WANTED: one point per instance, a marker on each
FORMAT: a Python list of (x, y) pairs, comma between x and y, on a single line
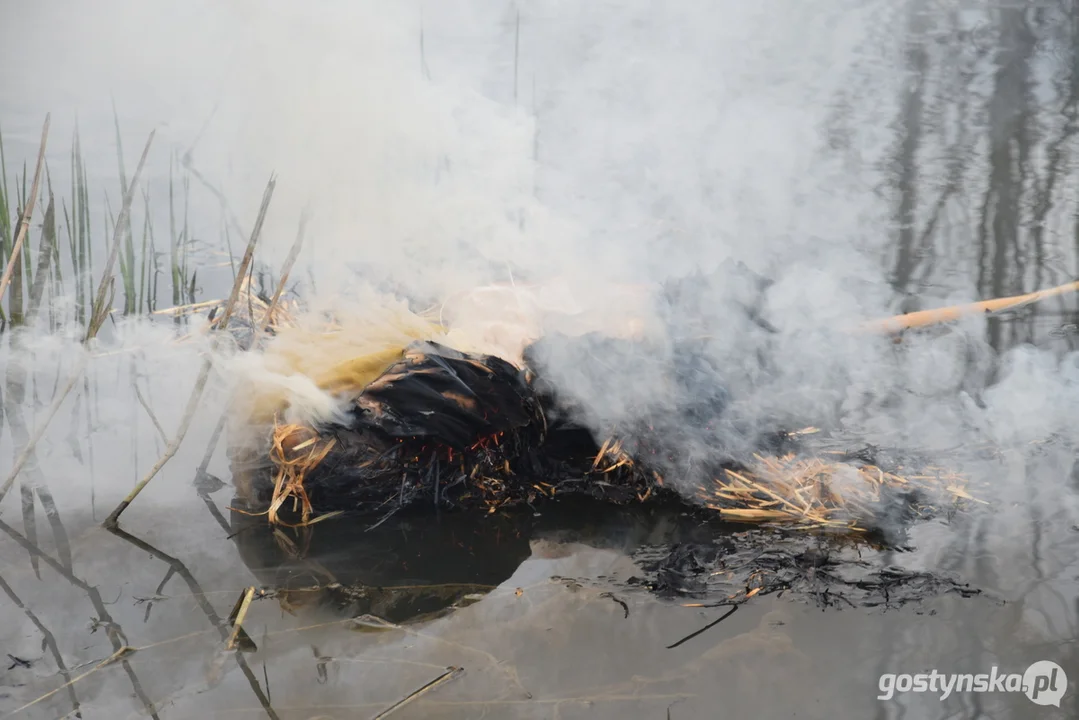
[(204, 373), (811, 493), (295, 450)]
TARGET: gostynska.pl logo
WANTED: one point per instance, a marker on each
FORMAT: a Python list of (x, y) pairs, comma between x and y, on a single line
[(1044, 683)]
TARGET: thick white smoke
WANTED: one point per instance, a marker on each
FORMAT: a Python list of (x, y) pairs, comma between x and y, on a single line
[(447, 144)]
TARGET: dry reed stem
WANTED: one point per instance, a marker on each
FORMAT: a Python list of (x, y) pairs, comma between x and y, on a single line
[(792, 490), (24, 217), (286, 270), (120, 654), (189, 308), (450, 673), (241, 615), (97, 316), (937, 316), (204, 373), (98, 312), (249, 253)]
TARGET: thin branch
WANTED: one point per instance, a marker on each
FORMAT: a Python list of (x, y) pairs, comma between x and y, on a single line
[(24, 218), (450, 673), (204, 373), (286, 270)]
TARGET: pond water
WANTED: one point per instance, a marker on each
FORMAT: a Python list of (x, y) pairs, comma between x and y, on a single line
[(872, 157), (541, 622)]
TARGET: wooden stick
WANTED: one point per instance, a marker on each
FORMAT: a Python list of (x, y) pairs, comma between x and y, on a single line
[(193, 307), (937, 316), (24, 218)]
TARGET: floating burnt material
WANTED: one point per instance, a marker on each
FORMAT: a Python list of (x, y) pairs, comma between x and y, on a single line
[(427, 424), (417, 566), (446, 429)]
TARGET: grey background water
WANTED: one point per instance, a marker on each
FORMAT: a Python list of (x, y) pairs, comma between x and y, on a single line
[(881, 154)]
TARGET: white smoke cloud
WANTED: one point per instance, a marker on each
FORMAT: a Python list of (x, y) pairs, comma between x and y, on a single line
[(587, 144)]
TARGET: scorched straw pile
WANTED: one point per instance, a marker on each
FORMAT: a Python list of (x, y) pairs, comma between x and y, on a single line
[(427, 424)]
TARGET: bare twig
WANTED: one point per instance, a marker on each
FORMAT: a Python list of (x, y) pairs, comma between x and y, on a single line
[(293, 254), (204, 374), (24, 218), (704, 629), (449, 674)]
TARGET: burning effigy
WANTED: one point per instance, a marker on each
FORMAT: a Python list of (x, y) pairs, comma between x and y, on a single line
[(458, 407)]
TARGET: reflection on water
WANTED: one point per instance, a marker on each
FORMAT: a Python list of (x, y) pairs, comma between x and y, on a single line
[(402, 569), (416, 565), (559, 615)]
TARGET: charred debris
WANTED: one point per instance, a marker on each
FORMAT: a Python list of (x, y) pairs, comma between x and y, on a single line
[(450, 430), (417, 565)]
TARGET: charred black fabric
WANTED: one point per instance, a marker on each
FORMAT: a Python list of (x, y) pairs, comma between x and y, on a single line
[(447, 429), (447, 397)]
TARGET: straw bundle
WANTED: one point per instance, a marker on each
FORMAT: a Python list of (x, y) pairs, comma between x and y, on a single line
[(813, 493)]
